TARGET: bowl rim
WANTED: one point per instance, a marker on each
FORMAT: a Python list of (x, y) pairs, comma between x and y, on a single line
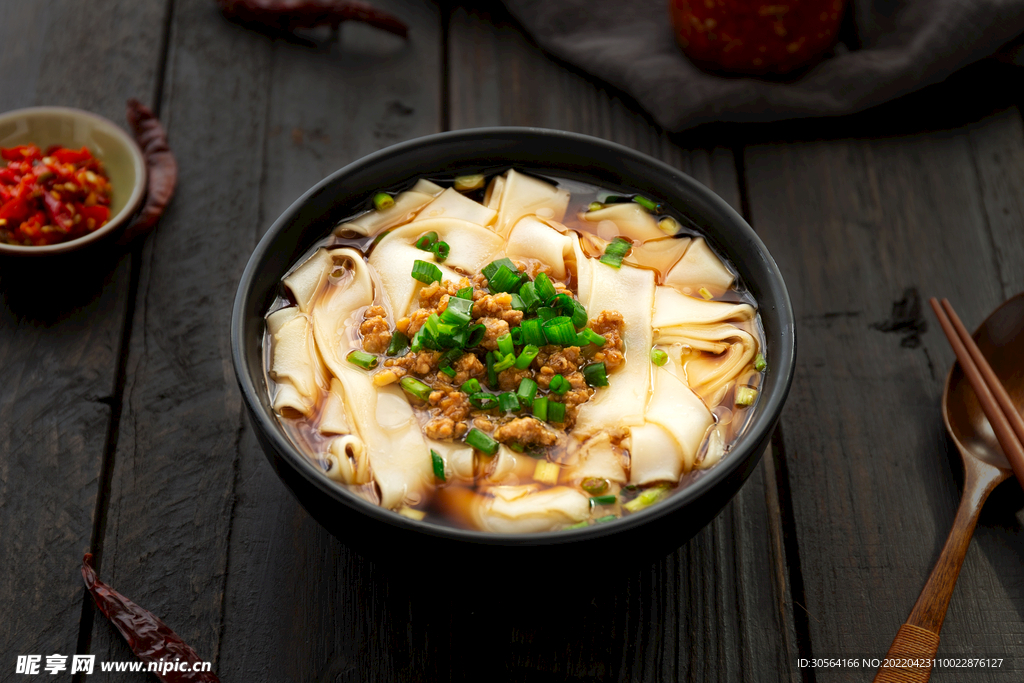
[(115, 221), (763, 422)]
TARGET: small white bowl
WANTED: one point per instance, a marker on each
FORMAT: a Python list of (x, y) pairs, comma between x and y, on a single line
[(113, 146)]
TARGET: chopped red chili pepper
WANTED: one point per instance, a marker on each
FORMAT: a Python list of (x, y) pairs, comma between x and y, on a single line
[(149, 638), (53, 197)]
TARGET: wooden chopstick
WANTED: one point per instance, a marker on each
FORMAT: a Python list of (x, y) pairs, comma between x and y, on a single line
[(1002, 415)]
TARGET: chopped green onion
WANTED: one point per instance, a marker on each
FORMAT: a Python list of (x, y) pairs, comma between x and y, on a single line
[(533, 334), (760, 364), (540, 408), (588, 336), (578, 314), (415, 387), (658, 357), (517, 447), (476, 335), (465, 183), (556, 411), (471, 386), (426, 242), (528, 295), (606, 518), (508, 401), (578, 525), (482, 442), (441, 251), (505, 280), (450, 371), (460, 337), (367, 361), (603, 500), (669, 225), (483, 400), (505, 346), (399, 344), (491, 268), (546, 472), (459, 311), (438, 463), (645, 499), (492, 375), (527, 390), (594, 485), (517, 303), (745, 396), (465, 293), (505, 363), (615, 251), (547, 313), (526, 356), (595, 206), (441, 333), (616, 199), (517, 335), (596, 375), (421, 340), (559, 331), (425, 272), (545, 290), (559, 384), (653, 207), (383, 201)]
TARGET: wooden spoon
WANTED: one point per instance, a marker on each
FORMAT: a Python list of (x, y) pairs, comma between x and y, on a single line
[(1001, 340)]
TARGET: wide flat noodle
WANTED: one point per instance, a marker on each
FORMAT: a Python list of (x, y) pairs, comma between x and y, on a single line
[(531, 238), (293, 367), (584, 272), (472, 247), (453, 204), (598, 459), (680, 413), (406, 205), (332, 418), (700, 267), (459, 459), (528, 509), (347, 461), (671, 308), (654, 455), (308, 279), (509, 468), (659, 255), (523, 195), (715, 338), (397, 451), (630, 291), (630, 219)]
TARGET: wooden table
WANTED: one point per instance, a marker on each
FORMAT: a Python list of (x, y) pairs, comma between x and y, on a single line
[(122, 430)]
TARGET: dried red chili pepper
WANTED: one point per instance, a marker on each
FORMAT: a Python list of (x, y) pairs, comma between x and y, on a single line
[(148, 637), (288, 15), (160, 162)]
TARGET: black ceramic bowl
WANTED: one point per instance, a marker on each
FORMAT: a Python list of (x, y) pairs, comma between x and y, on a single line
[(379, 533)]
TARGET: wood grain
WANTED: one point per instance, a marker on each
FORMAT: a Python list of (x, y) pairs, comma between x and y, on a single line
[(864, 229), (171, 493), (60, 327)]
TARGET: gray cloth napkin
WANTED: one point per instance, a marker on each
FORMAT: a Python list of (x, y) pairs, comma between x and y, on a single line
[(903, 45)]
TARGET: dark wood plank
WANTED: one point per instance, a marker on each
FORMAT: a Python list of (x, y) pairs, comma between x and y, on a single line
[(254, 122), (171, 493), (861, 226), (60, 335), (719, 608)]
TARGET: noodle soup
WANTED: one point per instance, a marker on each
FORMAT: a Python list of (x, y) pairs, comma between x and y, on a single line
[(513, 353)]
